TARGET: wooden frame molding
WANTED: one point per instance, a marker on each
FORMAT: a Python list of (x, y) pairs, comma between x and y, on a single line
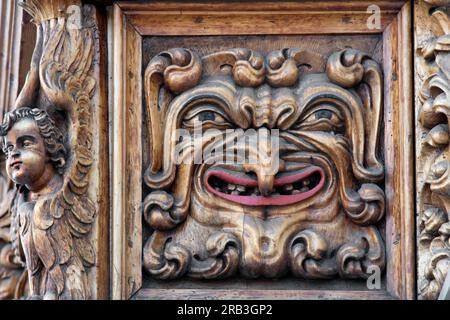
[(10, 25), (130, 22)]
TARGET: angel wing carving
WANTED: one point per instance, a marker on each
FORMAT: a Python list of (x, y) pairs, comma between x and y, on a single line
[(55, 235)]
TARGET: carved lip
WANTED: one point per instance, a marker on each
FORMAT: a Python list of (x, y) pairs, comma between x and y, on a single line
[(243, 180), (15, 163)]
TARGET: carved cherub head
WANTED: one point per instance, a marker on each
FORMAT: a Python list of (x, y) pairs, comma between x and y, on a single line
[(33, 146)]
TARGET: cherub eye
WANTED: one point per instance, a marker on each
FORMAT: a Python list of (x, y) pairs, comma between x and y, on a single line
[(207, 118), (27, 143), (323, 118)]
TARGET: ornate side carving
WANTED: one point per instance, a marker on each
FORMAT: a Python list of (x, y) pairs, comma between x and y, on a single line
[(13, 277), (310, 210), (434, 165), (48, 142)]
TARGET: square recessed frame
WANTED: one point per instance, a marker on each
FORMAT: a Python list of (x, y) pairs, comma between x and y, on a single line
[(130, 22)]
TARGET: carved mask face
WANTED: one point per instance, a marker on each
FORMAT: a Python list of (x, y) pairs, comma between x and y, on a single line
[(26, 153), (299, 210)]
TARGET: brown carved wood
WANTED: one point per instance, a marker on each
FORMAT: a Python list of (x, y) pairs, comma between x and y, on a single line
[(432, 103), (53, 139), (13, 278), (374, 150), (279, 215), (163, 206)]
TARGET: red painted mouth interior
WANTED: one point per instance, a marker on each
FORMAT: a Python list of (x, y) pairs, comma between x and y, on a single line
[(287, 189)]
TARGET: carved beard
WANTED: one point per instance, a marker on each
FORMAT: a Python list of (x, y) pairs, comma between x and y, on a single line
[(314, 218)]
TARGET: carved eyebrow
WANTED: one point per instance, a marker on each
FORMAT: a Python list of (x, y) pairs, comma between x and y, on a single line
[(23, 138)]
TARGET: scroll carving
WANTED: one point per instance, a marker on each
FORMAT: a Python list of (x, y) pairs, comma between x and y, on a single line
[(48, 142), (434, 166), (310, 210)]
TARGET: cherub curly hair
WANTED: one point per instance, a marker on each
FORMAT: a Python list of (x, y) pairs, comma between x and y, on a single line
[(53, 138)]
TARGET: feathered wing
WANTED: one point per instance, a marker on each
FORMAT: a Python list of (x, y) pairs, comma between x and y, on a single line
[(62, 223)]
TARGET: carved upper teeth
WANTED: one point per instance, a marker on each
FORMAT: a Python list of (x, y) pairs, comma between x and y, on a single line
[(288, 189)]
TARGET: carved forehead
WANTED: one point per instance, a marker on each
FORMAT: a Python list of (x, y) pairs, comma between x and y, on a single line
[(23, 127)]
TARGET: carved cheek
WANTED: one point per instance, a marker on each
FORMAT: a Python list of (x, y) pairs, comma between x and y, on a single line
[(32, 167)]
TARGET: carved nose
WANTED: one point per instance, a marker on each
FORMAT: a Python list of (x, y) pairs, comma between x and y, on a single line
[(265, 183), (268, 163), (265, 176), (15, 153)]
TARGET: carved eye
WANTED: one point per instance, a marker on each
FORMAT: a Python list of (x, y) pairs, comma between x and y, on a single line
[(27, 143), (207, 117), (322, 118)]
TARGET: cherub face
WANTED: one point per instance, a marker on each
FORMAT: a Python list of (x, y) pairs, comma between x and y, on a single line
[(26, 153)]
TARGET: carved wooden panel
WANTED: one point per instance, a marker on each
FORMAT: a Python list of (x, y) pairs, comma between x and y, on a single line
[(310, 209), (326, 204)]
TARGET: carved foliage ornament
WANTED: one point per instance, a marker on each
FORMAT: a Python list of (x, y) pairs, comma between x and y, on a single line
[(434, 117), (311, 213), (47, 139), (13, 277)]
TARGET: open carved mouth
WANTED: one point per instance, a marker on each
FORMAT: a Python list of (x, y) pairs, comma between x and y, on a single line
[(287, 189)]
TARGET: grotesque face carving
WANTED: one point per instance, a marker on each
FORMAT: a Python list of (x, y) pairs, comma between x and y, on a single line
[(305, 207)]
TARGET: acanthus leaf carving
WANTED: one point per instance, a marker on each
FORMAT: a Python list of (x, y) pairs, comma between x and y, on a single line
[(434, 116)]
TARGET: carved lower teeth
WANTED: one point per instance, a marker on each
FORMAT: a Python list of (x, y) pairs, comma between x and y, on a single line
[(304, 189), (231, 187), (235, 193), (241, 188)]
